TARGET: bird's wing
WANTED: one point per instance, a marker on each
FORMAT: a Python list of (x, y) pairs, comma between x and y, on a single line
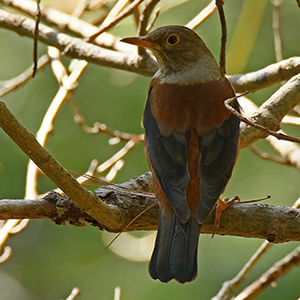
[(168, 157), (218, 155)]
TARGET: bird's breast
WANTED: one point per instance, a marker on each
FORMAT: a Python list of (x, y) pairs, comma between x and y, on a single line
[(181, 107)]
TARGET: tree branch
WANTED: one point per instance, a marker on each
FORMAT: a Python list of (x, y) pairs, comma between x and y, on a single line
[(271, 112), (77, 48), (279, 269), (81, 197), (253, 81), (276, 224), (267, 76)]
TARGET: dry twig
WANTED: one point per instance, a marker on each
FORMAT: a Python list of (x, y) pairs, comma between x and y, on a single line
[(203, 15), (7, 86), (126, 12), (279, 269), (219, 4)]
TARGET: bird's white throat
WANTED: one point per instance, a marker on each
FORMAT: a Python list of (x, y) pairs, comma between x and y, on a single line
[(202, 71)]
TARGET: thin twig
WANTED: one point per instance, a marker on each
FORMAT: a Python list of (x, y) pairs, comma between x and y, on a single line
[(81, 8), (270, 113), (7, 86), (124, 230), (268, 157), (278, 135), (35, 38), (120, 154), (203, 15), (143, 23), (6, 254), (219, 4), (116, 20), (71, 22), (230, 285), (290, 152), (279, 269), (145, 16), (114, 11), (276, 29), (117, 294), (74, 293), (99, 127)]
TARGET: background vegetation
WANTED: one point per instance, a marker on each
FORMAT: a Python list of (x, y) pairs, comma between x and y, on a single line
[(47, 260)]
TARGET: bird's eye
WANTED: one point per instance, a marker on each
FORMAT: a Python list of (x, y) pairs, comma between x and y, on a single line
[(173, 39)]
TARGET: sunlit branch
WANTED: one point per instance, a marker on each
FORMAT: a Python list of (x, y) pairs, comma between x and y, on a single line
[(279, 269), (203, 15), (276, 29), (116, 20), (7, 86)]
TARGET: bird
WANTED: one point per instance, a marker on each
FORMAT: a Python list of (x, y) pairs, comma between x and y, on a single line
[(191, 144)]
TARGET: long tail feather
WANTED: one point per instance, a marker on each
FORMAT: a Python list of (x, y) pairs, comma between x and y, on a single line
[(175, 251)]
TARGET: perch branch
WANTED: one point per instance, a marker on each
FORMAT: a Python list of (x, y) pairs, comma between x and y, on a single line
[(276, 224)]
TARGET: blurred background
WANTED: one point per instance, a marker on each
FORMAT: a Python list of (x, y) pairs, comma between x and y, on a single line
[(48, 260)]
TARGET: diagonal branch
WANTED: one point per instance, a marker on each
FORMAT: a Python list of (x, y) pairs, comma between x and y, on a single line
[(253, 81), (271, 112), (77, 48), (80, 196), (279, 269)]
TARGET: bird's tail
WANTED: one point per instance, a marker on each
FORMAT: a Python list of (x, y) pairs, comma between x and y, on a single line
[(175, 251)]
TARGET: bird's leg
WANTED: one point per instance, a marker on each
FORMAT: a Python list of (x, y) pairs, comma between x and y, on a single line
[(222, 204)]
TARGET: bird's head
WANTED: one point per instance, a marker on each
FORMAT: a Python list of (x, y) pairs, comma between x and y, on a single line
[(175, 47)]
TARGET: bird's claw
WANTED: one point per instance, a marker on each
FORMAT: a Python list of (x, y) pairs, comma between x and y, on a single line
[(222, 204)]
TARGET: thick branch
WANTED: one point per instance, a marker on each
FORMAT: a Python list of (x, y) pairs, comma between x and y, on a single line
[(65, 21), (271, 112), (253, 81), (277, 224), (267, 76), (77, 48)]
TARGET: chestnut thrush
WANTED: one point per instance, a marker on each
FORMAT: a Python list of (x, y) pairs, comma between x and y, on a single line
[(191, 143)]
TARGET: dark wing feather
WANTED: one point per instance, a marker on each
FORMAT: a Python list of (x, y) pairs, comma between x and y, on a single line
[(218, 155), (168, 156)]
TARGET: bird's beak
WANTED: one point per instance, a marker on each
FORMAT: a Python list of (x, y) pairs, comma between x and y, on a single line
[(140, 41)]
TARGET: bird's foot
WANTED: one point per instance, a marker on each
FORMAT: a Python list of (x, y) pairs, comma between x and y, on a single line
[(222, 204)]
